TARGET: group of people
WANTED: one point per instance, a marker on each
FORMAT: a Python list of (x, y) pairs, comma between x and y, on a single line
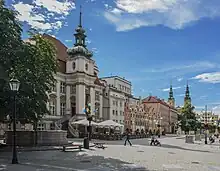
[(154, 141)]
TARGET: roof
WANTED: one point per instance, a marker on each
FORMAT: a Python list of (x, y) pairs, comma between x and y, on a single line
[(155, 99), (60, 47), (117, 77), (97, 82)]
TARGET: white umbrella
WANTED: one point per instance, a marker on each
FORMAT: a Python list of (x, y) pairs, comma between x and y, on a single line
[(84, 122), (110, 123)]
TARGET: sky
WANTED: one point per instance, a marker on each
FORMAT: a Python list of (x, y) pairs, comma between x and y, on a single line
[(152, 43)]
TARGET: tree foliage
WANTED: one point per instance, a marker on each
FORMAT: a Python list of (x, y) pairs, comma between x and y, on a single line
[(188, 119), (33, 63)]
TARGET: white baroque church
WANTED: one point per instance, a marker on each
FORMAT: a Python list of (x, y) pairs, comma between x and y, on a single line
[(77, 82)]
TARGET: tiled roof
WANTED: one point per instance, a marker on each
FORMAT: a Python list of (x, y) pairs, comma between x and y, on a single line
[(154, 99), (60, 47), (97, 82)]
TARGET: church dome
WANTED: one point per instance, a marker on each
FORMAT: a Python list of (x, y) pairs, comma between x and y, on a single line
[(79, 50)]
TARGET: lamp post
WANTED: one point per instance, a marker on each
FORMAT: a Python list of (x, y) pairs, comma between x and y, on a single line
[(14, 86), (206, 126)]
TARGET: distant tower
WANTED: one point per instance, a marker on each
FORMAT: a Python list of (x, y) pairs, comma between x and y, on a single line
[(171, 100), (187, 98)]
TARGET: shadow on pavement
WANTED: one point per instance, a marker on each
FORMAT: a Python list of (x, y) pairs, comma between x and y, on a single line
[(182, 148), (59, 161)]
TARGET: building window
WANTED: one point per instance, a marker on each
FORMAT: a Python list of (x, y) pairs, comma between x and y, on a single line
[(62, 87), (86, 66), (74, 65), (41, 126), (116, 103), (113, 102), (62, 109), (52, 107), (52, 126), (73, 89), (113, 112), (106, 94), (116, 112), (121, 113), (120, 104), (97, 97)]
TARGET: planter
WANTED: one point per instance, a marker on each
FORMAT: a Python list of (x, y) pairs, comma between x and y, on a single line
[(189, 139)]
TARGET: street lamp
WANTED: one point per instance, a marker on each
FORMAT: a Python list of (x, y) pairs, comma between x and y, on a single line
[(14, 86)]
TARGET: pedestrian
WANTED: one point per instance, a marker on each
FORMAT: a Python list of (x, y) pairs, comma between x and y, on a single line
[(127, 139)]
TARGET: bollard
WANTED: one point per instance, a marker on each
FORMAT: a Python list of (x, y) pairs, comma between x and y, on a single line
[(86, 143)]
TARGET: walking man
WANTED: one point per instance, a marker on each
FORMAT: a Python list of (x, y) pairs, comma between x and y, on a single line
[(127, 137)]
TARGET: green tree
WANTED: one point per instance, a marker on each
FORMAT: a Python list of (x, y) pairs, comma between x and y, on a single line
[(188, 119), (32, 63)]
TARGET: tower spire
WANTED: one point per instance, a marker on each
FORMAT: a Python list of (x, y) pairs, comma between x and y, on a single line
[(80, 16), (171, 99), (171, 91), (187, 94)]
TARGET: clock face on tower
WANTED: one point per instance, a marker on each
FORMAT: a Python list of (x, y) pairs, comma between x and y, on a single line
[(74, 65)]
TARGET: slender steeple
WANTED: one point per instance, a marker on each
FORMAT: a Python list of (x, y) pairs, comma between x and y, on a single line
[(171, 99), (80, 16), (80, 41), (80, 35), (187, 97)]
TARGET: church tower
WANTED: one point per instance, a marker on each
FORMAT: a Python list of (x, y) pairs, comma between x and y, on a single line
[(171, 100), (81, 71), (187, 98)]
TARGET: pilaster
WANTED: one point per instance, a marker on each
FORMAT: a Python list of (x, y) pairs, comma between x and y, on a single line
[(68, 101), (80, 98), (92, 96), (58, 99), (101, 106)]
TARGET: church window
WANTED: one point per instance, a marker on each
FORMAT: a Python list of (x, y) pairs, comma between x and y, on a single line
[(74, 65), (86, 66), (62, 87), (52, 107), (62, 109), (97, 98)]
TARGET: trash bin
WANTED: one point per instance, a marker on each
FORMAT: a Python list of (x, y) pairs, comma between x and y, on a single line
[(86, 143)]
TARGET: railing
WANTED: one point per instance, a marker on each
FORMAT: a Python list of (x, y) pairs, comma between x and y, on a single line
[(73, 131), (59, 122)]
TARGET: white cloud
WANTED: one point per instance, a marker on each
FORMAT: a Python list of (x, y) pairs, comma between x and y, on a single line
[(216, 109), (168, 89), (180, 95), (88, 41), (68, 40), (213, 77), (44, 15), (196, 66), (179, 79), (174, 14), (56, 6), (95, 50)]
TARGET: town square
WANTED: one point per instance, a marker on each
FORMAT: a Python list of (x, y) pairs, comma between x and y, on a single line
[(121, 85)]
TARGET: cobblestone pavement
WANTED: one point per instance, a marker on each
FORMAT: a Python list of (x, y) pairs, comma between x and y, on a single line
[(173, 155), (64, 161)]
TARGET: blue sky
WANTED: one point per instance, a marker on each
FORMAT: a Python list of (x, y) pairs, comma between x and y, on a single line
[(149, 42)]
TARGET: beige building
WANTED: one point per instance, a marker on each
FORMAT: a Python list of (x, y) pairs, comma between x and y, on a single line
[(161, 113), (208, 117)]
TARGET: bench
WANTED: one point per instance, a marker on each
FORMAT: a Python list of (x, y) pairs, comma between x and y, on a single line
[(100, 145), (72, 147)]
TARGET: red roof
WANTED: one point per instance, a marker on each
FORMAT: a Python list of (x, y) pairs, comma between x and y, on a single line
[(154, 99), (97, 82)]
